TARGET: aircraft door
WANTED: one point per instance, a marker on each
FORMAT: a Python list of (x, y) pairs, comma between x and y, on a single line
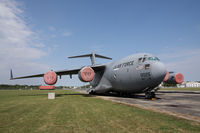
[(115, 74), (117, 78), (144, 71)]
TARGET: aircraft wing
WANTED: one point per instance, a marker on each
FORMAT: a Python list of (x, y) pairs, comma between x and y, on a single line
[(60, 73), (75, 71)]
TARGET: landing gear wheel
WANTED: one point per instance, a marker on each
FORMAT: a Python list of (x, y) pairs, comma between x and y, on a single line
[(150, 95), (91, 92)]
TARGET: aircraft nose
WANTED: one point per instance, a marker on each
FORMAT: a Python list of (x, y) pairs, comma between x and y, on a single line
[(158, 71)]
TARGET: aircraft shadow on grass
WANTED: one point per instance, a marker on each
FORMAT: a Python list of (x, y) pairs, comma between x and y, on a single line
[(87, 95), (134, 96), (58, 95)]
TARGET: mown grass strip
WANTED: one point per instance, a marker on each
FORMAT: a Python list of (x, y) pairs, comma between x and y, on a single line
[(31, 111)]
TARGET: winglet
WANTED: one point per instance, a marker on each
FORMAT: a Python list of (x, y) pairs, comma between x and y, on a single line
[(11, 74)]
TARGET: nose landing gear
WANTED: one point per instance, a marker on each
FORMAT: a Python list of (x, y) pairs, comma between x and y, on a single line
[(150, 94)]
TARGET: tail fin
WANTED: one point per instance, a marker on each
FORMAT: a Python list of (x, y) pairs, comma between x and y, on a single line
[(92, 57)]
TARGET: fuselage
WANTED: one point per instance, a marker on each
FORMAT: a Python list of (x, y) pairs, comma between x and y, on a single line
[(132, 74)]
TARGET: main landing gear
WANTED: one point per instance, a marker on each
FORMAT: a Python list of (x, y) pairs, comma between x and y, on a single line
[(91, 92), (150, 95)]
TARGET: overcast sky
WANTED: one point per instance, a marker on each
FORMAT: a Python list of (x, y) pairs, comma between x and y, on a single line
[(39, 35)]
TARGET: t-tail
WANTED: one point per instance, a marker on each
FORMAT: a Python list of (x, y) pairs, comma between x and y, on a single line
[(92, 56)]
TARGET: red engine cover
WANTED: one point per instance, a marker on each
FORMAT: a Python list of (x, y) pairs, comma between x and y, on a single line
[(86, 74), (166, 76), (50, 78), (46, 87), (179, 78)]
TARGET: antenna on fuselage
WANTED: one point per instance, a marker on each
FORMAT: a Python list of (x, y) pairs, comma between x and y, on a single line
[(92, 56)]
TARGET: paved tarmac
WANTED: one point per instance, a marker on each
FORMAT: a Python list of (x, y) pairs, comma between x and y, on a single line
[(183, 104)]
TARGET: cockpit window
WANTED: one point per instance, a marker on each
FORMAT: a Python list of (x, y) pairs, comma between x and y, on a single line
[(156, 58), (139, 60), (150, 58), (153, 58)]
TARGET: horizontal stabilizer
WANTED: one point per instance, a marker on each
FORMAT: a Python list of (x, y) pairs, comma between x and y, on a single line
[(92, 57), (89, 55), (101, 56)]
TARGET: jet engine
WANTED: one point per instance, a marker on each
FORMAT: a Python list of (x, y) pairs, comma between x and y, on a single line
[(173, 78), (86, 74), (50, 78)]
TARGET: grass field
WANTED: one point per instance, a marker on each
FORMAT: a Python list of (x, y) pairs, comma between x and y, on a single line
[(182, 89), (71, 112)]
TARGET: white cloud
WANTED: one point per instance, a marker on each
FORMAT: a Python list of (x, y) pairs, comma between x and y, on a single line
[(19, 46), (184, 61), (51, 28), (66, 34), (39, 45)]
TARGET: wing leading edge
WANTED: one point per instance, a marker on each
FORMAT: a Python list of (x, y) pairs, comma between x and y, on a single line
[(59, 73)]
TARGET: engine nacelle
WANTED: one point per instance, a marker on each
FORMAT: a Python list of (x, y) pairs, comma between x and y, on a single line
[(86, 74), (173, 78), (50, 78)]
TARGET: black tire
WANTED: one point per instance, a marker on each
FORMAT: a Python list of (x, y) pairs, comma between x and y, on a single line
[(149, 95), (91, 92), (153, 95)]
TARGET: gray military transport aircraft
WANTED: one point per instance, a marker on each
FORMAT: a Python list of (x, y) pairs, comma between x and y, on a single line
[(138, 73)]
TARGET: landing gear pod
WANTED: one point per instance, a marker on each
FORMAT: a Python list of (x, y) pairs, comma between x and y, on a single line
[(50, 78), (86, 74), (173, 78)]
